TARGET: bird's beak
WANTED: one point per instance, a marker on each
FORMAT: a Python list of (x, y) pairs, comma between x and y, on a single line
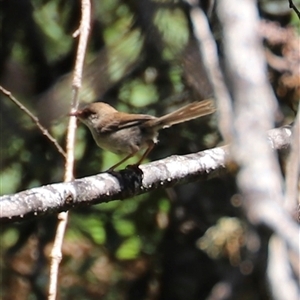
[(75, 113)]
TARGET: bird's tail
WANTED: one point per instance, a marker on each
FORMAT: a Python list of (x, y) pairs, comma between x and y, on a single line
[(190, 111)]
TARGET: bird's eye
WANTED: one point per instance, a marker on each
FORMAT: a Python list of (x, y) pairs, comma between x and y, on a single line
[(86, 113), (93, 116)]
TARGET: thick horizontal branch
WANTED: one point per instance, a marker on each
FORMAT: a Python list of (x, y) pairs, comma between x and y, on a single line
[(108, 186)]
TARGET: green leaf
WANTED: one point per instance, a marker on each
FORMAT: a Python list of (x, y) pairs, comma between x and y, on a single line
[(129, 249)]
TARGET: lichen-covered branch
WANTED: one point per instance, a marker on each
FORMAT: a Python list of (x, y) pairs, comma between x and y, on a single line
[(105, 187)]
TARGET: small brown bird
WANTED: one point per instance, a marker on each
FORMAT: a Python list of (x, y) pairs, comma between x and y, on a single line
[(124, 133)]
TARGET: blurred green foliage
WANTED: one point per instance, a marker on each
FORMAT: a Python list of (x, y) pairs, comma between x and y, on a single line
[(49, 19)]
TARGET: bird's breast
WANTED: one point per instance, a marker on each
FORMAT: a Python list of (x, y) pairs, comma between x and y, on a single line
[(126, 140)]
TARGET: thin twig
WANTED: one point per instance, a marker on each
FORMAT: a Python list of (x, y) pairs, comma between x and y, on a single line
[(208, 51), (34, 119), (292, 169), (56, 254), (293, 6)]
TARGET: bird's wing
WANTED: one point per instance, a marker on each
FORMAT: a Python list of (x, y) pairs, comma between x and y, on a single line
[(127, 121)]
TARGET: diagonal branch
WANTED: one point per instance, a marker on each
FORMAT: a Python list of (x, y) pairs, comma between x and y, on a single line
[(294, 7), (34, 119)]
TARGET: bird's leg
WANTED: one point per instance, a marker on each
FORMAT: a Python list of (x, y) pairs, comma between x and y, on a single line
[(146, 153), (120, 162), (151, 144)]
